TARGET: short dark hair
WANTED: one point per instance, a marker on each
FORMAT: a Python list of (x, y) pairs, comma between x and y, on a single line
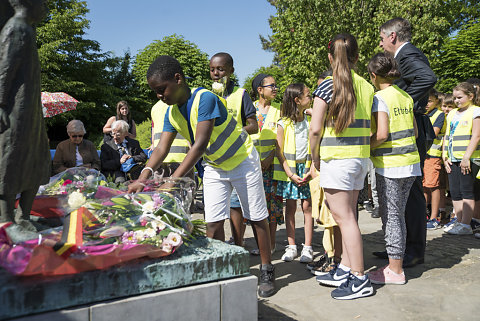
[(164, 68), (400, 26), (228, 58), (384, 65)]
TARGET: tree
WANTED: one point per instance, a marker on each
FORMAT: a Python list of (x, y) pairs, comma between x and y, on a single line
[(459, 58), (75, 65), (301, 29), (195, 63)]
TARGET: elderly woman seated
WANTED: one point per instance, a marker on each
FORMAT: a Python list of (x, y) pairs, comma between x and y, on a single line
[(75, 151), (122, 157)]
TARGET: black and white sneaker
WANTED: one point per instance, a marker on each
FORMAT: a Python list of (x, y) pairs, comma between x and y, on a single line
[(316, 264), (333, 278), (353, 288)]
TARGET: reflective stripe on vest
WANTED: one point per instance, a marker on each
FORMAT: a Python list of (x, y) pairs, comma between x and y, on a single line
[(229, 144), (234, 104), (354, 141), (400, 148), (265, 140), (462, 135), (180, 145), (436, 148), (290, 153)]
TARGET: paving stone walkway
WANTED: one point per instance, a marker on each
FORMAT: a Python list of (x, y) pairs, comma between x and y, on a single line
[(446, 287)]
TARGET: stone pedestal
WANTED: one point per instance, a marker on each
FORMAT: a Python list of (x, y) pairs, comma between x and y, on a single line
[(135, 289)]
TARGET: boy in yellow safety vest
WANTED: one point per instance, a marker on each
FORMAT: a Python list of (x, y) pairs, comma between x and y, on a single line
[(240, 106), (230, 159)]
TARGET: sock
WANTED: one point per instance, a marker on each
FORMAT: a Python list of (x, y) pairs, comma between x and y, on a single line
[(466, 225), (362, 277), (343, 267), (308, 247), (292, 246), (442, 209)]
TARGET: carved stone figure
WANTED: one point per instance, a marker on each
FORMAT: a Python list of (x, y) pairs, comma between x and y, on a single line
[(24, 151)]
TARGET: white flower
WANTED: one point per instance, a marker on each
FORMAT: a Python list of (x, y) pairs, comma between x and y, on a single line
[(76, 200), (158, 225), (174, 239), (148, 207), (90, 179), (167, 247), (218, 87), (139, 235), (149, 232)]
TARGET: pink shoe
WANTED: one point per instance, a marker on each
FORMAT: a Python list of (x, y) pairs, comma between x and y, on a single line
[(386, 276)]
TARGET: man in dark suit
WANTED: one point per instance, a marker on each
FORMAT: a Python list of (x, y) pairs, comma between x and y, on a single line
[(417, 78), (122, 157)]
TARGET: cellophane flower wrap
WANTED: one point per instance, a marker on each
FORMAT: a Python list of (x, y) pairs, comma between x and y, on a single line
[(102, 226)]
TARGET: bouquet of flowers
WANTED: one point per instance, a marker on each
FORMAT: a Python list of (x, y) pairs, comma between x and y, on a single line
[(80, 179), (104, 226)]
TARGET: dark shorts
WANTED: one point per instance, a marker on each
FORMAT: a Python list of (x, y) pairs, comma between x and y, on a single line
[(464, 186)]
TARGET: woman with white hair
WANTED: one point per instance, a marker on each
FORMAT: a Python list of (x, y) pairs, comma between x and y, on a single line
[(75, 151), (122, 157)]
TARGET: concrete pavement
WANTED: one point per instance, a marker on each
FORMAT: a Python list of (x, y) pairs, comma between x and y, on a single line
[(446, 287)]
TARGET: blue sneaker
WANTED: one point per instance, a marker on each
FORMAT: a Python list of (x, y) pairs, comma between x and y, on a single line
[(353, 288), (450, 224), (433, 224), (335, 277)]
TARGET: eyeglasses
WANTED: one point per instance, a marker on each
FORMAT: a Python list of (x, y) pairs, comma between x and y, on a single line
[(76, 136), (116, 133), (273, 86)]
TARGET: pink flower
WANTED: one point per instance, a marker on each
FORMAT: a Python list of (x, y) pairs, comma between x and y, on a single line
[(67, 181), (129, 238)]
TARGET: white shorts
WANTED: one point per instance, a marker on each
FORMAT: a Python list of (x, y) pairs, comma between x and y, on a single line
[(344, 174), (247, 180)]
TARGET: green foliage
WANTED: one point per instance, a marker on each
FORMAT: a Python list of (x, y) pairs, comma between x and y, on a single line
[(75, 65), (144, 133), (459, 58), (302, 29), (195, 63)]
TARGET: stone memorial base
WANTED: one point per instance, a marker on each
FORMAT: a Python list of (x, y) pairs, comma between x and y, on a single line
[(207, 281)]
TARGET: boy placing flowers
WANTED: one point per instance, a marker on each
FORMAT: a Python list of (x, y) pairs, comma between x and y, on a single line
[(231, 161)]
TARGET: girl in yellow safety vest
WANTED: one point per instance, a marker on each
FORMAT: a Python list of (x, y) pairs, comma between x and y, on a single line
[(461, 155), (292, 167), (268, 112), (339, 137), (397, 162)]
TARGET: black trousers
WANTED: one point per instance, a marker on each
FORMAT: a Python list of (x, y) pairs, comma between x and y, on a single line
[(416, 208)]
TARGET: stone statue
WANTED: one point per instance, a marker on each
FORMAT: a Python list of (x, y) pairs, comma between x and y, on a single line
[(24, 151)]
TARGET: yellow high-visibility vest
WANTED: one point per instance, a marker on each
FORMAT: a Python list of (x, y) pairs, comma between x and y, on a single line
[(354, 141), (290, 152), (436, 148), (234, 104), (264, 141), (462, 135), (400, 148), (180, 145), (229, 144)]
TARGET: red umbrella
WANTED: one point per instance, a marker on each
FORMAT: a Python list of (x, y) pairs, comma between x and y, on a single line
[(57, 103)]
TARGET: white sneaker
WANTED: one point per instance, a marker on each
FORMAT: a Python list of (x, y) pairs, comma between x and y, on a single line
[(449, 227), (307, 254), (461, 229), (290, 253)]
